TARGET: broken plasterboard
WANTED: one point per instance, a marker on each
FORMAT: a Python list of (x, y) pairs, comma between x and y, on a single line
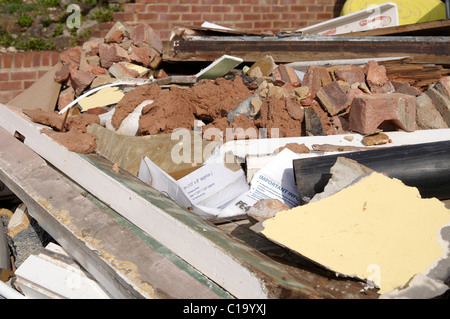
[(275, 180), (376, 229), (207, 190), (219, 68), (53, 274), (106, 96)]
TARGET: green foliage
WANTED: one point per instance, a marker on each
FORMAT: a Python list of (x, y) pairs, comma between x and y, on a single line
[(103, 15), (34, 44), (49, 3), (24, 20)]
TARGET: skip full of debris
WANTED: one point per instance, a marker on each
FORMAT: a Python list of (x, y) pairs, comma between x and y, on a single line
[(197, 124)]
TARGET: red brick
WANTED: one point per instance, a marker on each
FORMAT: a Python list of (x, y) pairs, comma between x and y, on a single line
[(80, 80), (251, 17), (377, 79), (17, 58), (333, 98), (263, 24), (24, 75), (110, 53), (71, 55), (27, 59), (10, 86), (286, 74), (157, 8), (36, 58), (143, 33), (27, 84), (221, 9), (4, 76), (211, 2), (7, 60), (242, 9), (201, 9), (350, 74), (147, 16), (370, 112), (123, 16), (55, 57), (191, 16), (315, 77)]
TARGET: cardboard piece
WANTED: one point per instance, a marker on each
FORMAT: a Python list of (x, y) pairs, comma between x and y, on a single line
[(275, 180), (43, 94), (207, 190)]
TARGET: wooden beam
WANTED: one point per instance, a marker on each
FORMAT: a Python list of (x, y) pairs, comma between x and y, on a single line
[(293, 49), (95, 235), (237, 268)]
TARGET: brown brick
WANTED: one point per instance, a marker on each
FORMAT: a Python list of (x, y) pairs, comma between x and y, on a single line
[(11, 86), (36, 58), (27, 59), (350, 74), (4, 76), (390, 110), (377, 79), (7, 60), (333, 98), (315, 77), (80, 80), (286, 74), (24, 75), (110, 53), (17, 58), (71, 55)]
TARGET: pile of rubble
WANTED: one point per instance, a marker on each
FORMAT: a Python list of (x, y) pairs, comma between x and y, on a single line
[(260, 100)]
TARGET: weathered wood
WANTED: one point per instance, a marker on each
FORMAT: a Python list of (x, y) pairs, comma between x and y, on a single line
[(292, 49), (95, 235), (425, 166), (237, 268)]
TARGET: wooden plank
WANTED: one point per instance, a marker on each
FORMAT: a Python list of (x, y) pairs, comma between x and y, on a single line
[(425, 166), (95, 235), (237, 268), (293, 49)]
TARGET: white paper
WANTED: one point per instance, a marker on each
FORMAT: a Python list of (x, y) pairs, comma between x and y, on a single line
[(275, 180), (207, 190)]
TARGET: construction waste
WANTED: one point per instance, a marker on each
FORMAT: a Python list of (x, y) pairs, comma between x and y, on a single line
[(230, 146)]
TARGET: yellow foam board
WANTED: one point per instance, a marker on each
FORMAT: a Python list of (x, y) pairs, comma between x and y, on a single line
[(377, 229), (104, 97)]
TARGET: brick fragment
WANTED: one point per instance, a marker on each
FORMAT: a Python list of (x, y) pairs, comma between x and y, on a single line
[(65, 97), (143, 33), (116, 33), (91, 47), (62, 74), (442, 103), (286, 74), (140, 55), (333, 98), (119, 70), (405, 88), (72, 56), (80, 80), (427, 116), (371, 112), (110, 53), (377, 79), (350, 74), (316, 77)]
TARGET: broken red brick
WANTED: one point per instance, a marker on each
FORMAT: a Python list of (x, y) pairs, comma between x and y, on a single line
[(72, 56), (80, 80), (116, 33), (63, 73), (143, 33), (333, 98), (316, 77), (110, 53), (90, 48), (65, 97), (119, 70), (371, 112), (377, 79), (286, 74), (140, 55), (350, 74)]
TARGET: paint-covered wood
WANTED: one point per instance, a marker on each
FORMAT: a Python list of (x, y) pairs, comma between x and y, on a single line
[(127, 262)]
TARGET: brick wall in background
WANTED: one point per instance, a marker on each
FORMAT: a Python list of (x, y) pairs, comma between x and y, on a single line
[(18, 71), (246, 15)]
